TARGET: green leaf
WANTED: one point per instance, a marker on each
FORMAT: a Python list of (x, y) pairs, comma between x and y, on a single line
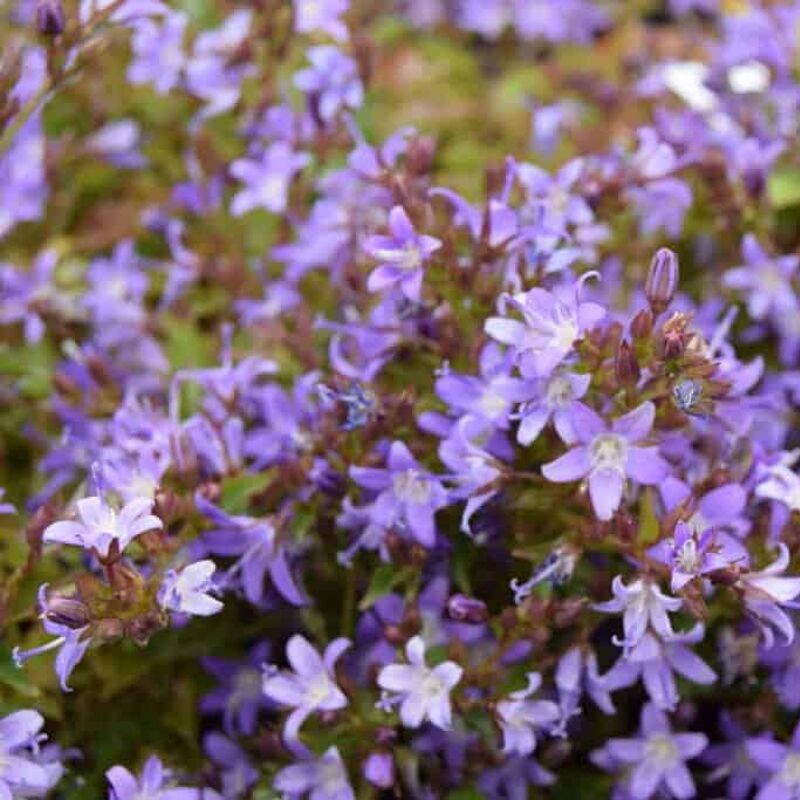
[(383, 580), (236, 490), (783, 188)]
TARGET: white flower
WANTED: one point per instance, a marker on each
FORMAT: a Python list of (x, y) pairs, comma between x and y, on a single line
[(187, 591), (423, 691)]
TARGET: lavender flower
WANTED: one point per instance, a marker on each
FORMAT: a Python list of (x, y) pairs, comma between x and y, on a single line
[(407, 493), (658, 757), (311, 687), (123, 785), (642, 605), (20, 773), (331, 82), (766, 280), (765, 591), (321, 15), (781, 763), (266, 179), (188, 591), (607, 455), (323, 777), (520, 717), (101, 525), (403, 255), (422, 691), (550, 327)]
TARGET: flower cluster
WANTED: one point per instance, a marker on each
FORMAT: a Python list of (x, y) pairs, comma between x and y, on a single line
[(400, 397)]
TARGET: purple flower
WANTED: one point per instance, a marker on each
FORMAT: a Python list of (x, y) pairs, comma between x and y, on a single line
[(237, 774), (125, 786), (378, 769), (765, 281), (765, 591), (655, 661), (100, 525), (331, 82), (606, 456), (691, 554), (658, 757), (422, 691), (266, 179), (311, 687), (732, 761), (550, 327), (255, 544), (578, 671), (20, 773), (68, 628), (551, 399), (780, 484), (407, 493), (321, 15), (323, 778), (520, 717), (6, 508), (239, 695), (402, 256), (641, 604), (187, 591), (782, 764), (158, 56)]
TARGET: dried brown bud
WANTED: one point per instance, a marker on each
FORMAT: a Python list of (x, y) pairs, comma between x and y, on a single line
[(642, 326), (626, 366)]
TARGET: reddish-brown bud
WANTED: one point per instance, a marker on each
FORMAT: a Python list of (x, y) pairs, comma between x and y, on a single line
[(642, 326), (626, 366)]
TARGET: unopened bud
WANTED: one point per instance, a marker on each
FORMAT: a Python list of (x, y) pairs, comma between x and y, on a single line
[(66, 611), (626, 367), (50, 17), (642, 325), (466, 609), (662, 280)]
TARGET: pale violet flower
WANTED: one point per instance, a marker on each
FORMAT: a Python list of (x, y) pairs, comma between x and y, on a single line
[(311, 687), (187, 591), (422, 691), (765, 591), (521, 717), (100, 525), (550, 326), (607, 455), (641, 604), (323, 778), (657, 758)]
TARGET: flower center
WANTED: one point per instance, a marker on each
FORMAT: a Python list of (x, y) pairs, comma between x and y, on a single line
[(247, 683), (608, 451), (431, 685), (790, 771), (492, 404), (409, 258), (559, 392), (411, 486), (661, 749), (319, 689), (687, 558)]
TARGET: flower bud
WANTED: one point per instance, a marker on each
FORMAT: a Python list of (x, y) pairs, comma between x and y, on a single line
[(50, 17), (378, 769), (642, 325), (626, 367), (466, 609), (67, 611), (662, 280)]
